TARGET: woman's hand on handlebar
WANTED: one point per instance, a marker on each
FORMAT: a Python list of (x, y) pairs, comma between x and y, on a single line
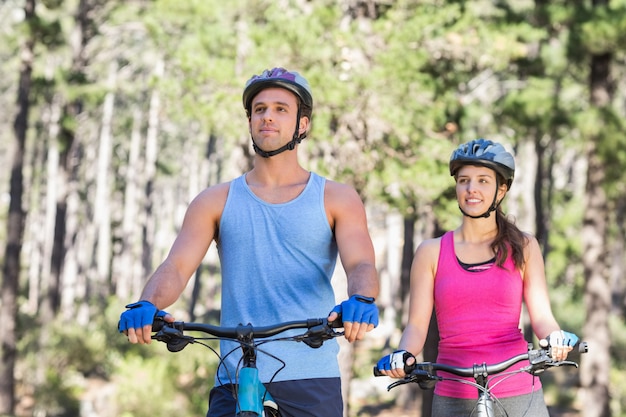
[(136, 321), (396, 365), (561, 343)]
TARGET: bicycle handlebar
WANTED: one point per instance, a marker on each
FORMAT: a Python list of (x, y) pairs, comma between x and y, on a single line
[(318, 331), (539, 361)]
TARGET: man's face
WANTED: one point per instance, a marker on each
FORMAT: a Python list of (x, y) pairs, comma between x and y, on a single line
[(273, 116)]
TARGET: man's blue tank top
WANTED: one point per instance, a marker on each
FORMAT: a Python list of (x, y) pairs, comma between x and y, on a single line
[(277, 261)]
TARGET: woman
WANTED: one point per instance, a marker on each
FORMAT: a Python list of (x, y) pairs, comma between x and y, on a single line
[(476, 277)]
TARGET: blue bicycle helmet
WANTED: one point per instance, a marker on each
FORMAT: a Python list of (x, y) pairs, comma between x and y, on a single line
[(289, 80), (486, 153)]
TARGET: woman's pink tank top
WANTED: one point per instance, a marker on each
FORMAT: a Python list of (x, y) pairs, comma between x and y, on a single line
[(478, 314)]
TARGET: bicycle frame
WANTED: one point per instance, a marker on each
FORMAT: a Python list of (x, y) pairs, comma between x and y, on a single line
[(251, 395)]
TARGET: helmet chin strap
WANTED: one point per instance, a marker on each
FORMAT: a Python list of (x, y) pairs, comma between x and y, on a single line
[(289, 146)]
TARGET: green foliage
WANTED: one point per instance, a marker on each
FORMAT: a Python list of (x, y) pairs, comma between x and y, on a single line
[(611, 146), (605, 30), (66, 354), (58, 396), (147, 387), (563, 267), (618, 368), (150, 381)]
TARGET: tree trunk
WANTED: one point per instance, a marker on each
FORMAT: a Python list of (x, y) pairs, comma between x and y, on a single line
[(416, 229), (69, 243), (15, 227), (55, 186), (125, 272), (618, 262), (595, 368), (102, 206), (152, 147)]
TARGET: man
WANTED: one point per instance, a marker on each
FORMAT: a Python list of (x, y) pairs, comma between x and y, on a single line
[(278, 230)]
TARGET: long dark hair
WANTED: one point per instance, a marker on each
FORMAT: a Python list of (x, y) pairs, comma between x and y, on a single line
[(509, 237)]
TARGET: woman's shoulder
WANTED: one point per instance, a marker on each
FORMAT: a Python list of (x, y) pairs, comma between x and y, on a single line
[(429, 248), (529, 237), (531, 245), (434, 242)]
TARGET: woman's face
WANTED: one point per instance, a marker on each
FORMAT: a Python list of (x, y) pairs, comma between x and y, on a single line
[(476, 187)]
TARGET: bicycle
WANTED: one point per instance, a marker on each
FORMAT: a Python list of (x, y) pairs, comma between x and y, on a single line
[(252, 397), (425, 374)]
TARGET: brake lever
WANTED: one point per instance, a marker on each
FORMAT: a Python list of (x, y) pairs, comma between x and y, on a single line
[(540, 360), (423, 378), (565, 363), (173, 338), (317, 335), (406, 380)]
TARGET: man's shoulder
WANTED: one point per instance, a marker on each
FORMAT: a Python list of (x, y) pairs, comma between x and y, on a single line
[(213, 197), (336, 186), (337, 192), (217, 189)]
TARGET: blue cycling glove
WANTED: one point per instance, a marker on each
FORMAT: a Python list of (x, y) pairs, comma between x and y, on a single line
[(138, 315), (560, 338), (396, 360), (358, 309)]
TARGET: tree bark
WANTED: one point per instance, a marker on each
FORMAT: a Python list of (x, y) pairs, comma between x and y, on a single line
[(152, 147), (65, 259), (102, 207), (125, 271), (15, 226), (595, 368)]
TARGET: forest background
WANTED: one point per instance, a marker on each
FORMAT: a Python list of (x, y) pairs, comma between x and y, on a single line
[(116, 113)]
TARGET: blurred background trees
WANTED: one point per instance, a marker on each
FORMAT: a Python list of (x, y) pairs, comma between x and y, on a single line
[(116, 113)]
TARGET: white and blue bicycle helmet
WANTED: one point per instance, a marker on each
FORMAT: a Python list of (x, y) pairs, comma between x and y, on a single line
[(486, 153), (483, 152)]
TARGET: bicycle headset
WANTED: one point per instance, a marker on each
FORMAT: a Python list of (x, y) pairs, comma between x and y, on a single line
[(483, 152), (289, 80)]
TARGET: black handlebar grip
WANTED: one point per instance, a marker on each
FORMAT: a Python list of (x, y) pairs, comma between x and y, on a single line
[(407, 368), (337, 323), (157, 324)]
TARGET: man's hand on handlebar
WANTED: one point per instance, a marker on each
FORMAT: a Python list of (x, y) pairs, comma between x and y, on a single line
[(359, 315), (136, 322)]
